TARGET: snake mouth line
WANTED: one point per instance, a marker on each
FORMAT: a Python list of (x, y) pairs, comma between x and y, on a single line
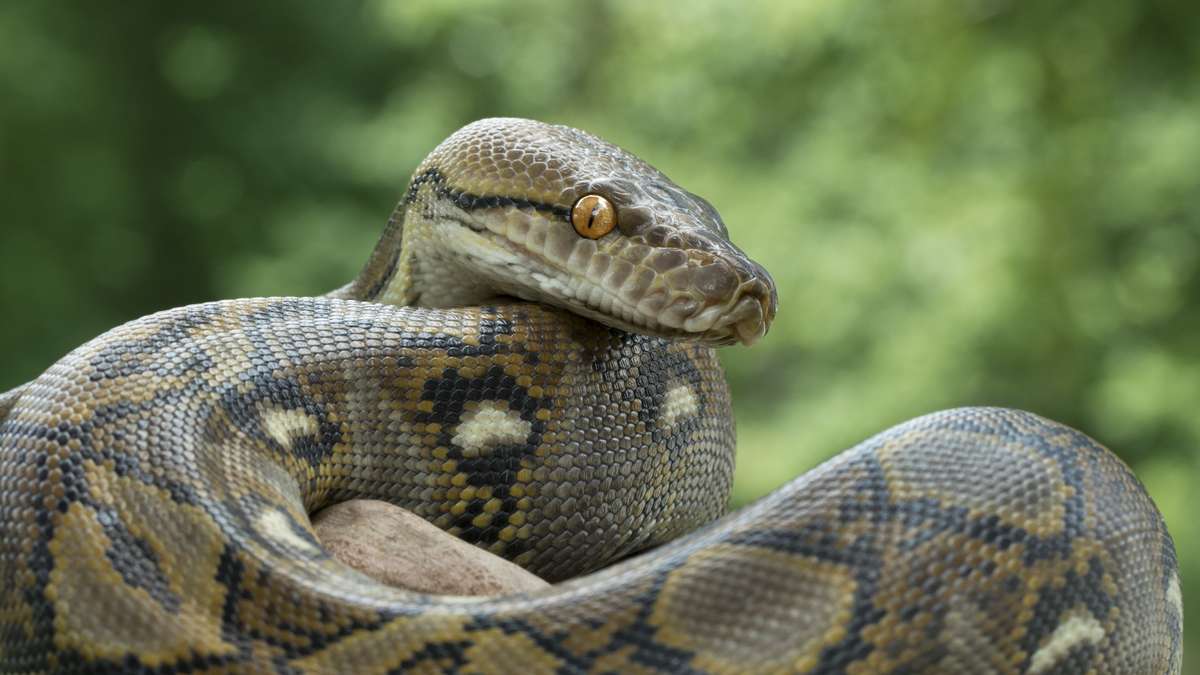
[(640, 299), (739, 320)]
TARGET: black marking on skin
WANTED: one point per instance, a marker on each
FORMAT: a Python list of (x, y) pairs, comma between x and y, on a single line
[(496, 468), (869, 502), (641, 633), (70, 661), (436, 654), (119, 419), (135, 561), (1072, 590), (429, 176), (245, 410), (929, 519), (123, 358), (550, 643), (388, 249), (384, 279), (863, 559), (231, 573), (127, 464), (658, 369), (499, 467), (31, 651), (270, 390), (383, 338), (925, 520), (34, 647), (815, 540), (451, 391), (867, 568), (248, 511), (471, 202), (862, 556)]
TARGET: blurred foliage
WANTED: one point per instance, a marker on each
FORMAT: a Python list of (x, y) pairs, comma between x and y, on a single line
[(969, 202)]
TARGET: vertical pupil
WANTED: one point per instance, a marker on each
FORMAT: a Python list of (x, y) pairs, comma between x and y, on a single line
[(592, 216)]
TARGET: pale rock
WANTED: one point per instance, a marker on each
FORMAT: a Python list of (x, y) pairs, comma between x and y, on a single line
[(398, 548)]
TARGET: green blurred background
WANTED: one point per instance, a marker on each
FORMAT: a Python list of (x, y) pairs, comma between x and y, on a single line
[(968, 202)]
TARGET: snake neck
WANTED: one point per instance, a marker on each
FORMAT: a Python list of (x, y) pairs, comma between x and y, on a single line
[(412, 267), (374, 282)]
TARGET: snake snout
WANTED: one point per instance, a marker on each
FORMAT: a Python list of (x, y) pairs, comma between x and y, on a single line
[(736, 304), (753, 312), (752, 308)]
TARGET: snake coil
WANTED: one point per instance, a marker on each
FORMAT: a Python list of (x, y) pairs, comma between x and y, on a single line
[(509, 365)]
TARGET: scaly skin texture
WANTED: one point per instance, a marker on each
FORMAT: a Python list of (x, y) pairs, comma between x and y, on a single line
[(155, 484)]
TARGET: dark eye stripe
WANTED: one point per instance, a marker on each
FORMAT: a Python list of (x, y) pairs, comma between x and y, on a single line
[(470, 202)]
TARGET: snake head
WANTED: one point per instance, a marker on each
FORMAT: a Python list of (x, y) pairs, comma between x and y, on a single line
[(552, 214)]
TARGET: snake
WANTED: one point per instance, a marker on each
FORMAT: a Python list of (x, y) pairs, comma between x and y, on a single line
[(528, 361)]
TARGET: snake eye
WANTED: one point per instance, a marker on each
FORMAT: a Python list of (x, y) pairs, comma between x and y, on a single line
[(593, 216)]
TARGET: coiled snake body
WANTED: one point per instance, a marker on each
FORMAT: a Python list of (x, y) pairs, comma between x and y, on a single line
[(155, 484)]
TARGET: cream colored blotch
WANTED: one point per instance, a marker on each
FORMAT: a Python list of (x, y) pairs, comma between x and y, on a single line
[(1079, 628), (275, 525), (287, 425), (679, 403), (489, 425)]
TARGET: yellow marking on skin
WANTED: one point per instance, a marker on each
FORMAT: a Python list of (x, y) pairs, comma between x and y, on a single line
[(100, 615), (495, 650), (680, 403), (1079, 628), (404, 638), (969, 648), (276, 525), (952, 478), (755, 633), (285, 426), (487, 426)]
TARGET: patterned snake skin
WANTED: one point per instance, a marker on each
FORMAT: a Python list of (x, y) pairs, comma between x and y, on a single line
[(156, 483)]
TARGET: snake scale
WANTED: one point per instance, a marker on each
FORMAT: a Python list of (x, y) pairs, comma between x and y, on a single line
[(508, 365)]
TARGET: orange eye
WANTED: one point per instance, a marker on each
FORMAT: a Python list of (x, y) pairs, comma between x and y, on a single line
[(593, 216)]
